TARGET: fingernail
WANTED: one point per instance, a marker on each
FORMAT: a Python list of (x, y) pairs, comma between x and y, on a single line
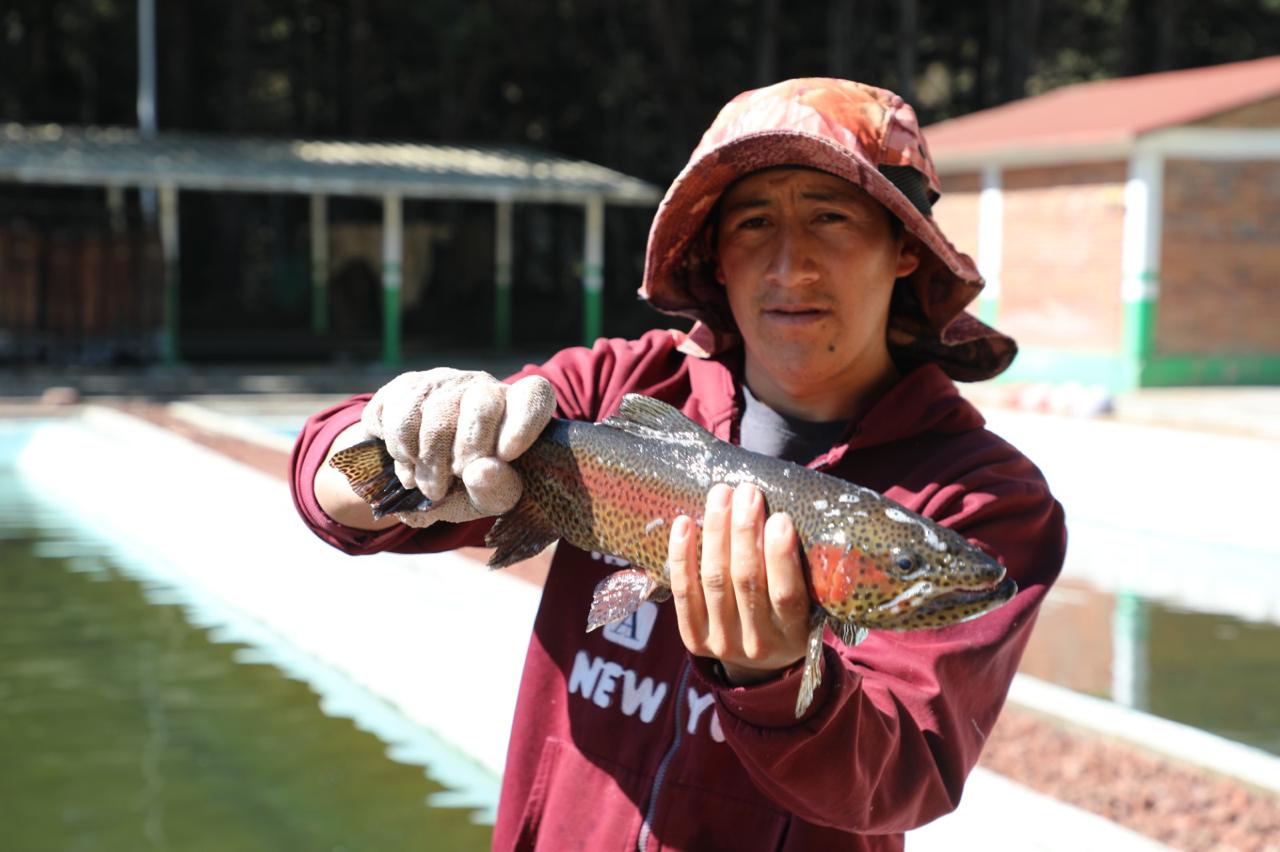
[(680, 528), (780, 523), (720, 496), (744, 497)]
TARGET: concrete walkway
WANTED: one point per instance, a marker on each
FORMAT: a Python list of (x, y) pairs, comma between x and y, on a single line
[(999, 815)]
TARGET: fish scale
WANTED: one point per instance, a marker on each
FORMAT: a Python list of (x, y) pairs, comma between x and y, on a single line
[(617, 486)]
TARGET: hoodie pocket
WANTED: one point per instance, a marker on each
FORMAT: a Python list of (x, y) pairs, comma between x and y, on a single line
[(586, 802), (579, 802), (691, 818)]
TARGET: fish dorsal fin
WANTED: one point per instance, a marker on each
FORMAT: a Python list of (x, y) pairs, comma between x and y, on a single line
[(647, 417)]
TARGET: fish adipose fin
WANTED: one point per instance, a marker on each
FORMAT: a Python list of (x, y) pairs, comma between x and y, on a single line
[(812, 675), (646, 417), (371, 472), (620, 594), (519, 534)]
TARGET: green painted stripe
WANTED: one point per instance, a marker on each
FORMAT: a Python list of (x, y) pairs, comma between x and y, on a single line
[(1138, 333), (1118, 372), (320, 305), (391, 326), (592, 315), (1245, 369), (988, 309), (1054, 366), (169, 342), (502, 319)]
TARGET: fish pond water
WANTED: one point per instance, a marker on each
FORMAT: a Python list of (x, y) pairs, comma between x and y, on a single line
[(132, 719)]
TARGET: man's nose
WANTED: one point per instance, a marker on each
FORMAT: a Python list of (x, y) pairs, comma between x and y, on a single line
[(793, 262)]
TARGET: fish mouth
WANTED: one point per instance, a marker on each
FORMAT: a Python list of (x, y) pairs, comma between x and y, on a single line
[(946, 606)]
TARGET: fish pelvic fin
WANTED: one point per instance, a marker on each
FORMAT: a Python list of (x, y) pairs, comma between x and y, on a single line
[(812, 674), (849, 633), (620, 594), (519, 534), (646, 417), (371, 472)]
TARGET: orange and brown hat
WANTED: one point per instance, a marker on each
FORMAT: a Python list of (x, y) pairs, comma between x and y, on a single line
[(869, 137)]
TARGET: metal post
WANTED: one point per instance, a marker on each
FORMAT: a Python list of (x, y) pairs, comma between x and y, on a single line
[(146, 99), (172, 270), (593, 271), (1140, 259), (319, 265), (392, 251), (990, 241), (115, 208), (1130, 634), (502, 276)]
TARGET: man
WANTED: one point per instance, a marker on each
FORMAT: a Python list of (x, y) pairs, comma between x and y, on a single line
[(829, 326)]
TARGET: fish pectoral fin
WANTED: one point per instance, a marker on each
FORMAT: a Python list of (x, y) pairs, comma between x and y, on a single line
[(522, 533), (646, 417), (812, 675), (371, 472), (658, 592), (849, 633), (620, 594)]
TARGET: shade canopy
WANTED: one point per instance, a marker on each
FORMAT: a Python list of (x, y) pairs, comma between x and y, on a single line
[(58, 154)]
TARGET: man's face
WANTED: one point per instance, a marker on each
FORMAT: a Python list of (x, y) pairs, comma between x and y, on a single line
[(808, 262)]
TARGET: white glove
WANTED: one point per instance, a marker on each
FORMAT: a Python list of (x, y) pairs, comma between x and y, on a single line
[(452, 434)]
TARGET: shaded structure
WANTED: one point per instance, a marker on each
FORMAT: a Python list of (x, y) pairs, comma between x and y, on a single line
[(1128, 230), (119, 158)]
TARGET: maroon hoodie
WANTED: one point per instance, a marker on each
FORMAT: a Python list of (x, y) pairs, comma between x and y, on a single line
[(622, 740)]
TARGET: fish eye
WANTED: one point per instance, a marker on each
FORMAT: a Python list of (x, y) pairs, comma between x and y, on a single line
[(904, 561)]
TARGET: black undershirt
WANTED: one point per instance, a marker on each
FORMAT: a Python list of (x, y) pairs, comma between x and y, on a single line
[(772, 433)]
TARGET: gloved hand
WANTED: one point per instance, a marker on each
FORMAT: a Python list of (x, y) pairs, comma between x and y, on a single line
[(452, 434)]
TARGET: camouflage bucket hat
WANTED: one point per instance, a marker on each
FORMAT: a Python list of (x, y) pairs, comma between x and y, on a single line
[(869, 137)]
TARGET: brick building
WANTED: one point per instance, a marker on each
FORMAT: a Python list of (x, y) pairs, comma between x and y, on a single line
[(1129, 230)]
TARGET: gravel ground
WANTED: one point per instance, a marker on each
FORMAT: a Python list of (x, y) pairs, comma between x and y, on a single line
[(1181, 806)]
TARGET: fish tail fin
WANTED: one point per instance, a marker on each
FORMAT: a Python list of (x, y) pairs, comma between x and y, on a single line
[(522, 533), (371, 472), (812, 675), (620, 594)]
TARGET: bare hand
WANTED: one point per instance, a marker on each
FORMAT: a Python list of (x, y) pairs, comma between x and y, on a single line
[(745, 601)]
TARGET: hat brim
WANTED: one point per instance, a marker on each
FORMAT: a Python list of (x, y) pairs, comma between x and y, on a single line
[(679, 276)]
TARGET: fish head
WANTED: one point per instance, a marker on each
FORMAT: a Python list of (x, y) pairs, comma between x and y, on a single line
[(887, 568)]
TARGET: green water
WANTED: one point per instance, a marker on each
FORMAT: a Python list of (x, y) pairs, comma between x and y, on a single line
[(125, 727), (1215, 672)]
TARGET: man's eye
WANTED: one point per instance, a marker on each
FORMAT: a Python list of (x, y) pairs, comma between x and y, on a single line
[(753, 223), (831, 216)]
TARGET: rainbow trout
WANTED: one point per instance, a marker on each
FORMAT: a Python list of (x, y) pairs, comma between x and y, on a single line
[(616, 487)]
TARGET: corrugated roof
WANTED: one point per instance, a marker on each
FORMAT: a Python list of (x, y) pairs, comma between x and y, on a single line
[(1106, 112), (119, 156)]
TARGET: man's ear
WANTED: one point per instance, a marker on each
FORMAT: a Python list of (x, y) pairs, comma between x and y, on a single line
[(717, 271), (908, 255)]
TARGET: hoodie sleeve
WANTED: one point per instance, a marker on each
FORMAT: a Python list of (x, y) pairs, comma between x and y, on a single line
[(909, 712), (588, 383)]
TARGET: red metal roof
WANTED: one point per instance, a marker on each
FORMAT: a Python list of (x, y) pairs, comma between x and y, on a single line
[(1107, 111)]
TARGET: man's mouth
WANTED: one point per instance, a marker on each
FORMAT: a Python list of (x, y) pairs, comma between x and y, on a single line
[(794, 313)]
